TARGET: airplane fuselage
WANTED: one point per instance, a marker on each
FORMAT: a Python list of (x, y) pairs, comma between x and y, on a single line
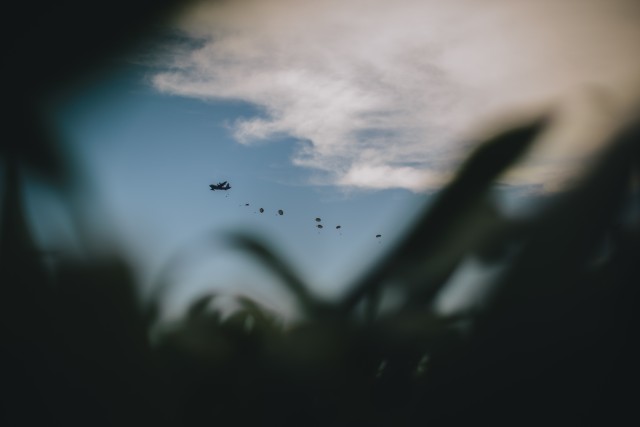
[(217, 187)]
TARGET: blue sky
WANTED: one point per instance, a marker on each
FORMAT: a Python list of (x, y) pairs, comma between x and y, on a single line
[(352, 111), (147, 159)]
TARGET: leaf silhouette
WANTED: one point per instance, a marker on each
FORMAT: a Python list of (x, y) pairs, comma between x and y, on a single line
[(457, 201)]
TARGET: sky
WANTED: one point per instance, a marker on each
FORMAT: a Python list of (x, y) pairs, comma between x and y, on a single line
[(356, 112), (148, 158), (350, 77)]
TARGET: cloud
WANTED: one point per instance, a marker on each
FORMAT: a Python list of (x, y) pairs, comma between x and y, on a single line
[(383, 92)]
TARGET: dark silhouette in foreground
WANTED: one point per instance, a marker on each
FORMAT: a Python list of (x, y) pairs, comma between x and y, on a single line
[(553, 338)]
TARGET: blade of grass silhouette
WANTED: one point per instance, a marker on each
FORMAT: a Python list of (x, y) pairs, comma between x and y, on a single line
[(199, 306), (475, 177), (164, 282), (181, 260), (550, 318), (310, 305), (35, 145), (256, 309), (21, 267), (547, 264), (481, 232), (16, 237)]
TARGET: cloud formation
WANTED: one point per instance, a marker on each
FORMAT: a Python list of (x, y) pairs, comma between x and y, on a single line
[(381, 93)]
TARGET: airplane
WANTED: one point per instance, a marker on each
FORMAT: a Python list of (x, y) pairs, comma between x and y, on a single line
[(220, 186)]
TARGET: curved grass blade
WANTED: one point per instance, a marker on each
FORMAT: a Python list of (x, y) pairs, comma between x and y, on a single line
[(560, 243), (454, 202), (275, 263)]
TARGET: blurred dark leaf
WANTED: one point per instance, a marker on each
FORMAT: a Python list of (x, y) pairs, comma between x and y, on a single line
[(455, 204), (49, 47), (310, 305)]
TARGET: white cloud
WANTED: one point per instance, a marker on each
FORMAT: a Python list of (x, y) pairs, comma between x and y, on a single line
[(383, 91)]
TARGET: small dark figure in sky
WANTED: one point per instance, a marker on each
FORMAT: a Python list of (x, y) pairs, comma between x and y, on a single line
[(220, 186), (280, 212)]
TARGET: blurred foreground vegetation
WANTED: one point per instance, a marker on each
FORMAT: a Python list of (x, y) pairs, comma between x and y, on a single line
[(553, 338), (553, 341)]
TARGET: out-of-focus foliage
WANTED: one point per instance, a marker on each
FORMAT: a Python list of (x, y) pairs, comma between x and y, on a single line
[(554, 337), (48, 48), (553, 342)]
